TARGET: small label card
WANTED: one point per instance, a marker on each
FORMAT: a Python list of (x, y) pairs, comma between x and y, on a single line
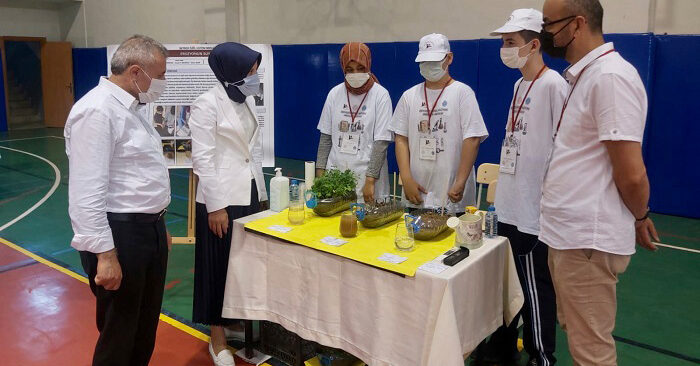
[(333, 241), (433, 267), (392, 258), (280, 228)]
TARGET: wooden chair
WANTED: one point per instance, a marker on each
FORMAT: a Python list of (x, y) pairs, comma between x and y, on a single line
[(491, 192), (485, 174)]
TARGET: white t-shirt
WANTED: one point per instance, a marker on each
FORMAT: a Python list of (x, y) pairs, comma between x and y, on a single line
[(456, 117), (352, 142), (519, 192), (581, 206)]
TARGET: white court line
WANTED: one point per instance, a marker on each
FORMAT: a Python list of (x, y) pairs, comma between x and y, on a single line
[(32, 138), (46, 197), (677, 248)]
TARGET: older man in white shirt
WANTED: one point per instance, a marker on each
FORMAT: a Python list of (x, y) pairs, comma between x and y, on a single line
[(118, 191), (596, 191)]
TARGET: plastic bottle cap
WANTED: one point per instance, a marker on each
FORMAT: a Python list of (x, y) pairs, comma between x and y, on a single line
[(452, 222), (278, 172), (294, 181), (491, 208)]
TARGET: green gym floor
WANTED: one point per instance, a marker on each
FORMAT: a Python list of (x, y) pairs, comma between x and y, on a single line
[(658, 319)]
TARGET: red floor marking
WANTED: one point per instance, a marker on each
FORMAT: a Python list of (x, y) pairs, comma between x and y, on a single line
[(9, 255), (48, 318), (240, 362), (171, 284)]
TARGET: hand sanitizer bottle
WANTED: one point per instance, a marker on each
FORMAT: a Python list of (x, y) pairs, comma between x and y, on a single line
[(279, 191)]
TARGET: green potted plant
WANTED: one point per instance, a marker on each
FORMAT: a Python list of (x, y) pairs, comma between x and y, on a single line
[(334, 192)]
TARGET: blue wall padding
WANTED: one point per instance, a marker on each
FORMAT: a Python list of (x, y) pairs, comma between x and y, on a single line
[(88, 65), (305, 73), (3, 107), (674, 132), (301, 85)]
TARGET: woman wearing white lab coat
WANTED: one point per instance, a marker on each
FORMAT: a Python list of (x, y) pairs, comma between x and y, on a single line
[(227, 158)]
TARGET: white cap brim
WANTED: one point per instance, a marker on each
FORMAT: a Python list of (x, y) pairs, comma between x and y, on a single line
[(508, 28), (430, 56)]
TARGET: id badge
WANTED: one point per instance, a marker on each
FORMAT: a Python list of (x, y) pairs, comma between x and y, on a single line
[(428, 148), (350, 143), (509, 155)]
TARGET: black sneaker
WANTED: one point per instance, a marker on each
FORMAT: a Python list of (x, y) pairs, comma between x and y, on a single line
[(492, 355)]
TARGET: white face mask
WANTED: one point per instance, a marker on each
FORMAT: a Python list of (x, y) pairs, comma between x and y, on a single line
[(511, 57), (432, 70), (154, 91), (357, 79), (248, 86)]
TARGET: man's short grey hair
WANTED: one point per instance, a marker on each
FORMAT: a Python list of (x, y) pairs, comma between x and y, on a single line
[(136, 50), (591, 10)]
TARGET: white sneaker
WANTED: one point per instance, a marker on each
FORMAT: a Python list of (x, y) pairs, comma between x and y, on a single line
[(224, 358)]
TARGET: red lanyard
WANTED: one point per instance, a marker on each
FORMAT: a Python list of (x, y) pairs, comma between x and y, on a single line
[(431, 110), (352, 116), (566, 102), (514, 116)]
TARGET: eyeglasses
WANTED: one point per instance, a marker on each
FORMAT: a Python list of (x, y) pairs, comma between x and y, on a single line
[(547, 24)]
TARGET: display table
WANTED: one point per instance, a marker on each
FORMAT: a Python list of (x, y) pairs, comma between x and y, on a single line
[(383, 318), (366, 247)]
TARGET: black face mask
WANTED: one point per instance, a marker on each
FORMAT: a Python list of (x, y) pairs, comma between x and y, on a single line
[(547, 39)]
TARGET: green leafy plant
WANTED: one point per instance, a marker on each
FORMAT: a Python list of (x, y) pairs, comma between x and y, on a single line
[(334, 183)]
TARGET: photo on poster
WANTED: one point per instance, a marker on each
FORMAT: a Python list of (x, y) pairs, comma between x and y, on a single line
[(169, 151), (164, 120), (184, 152), (183, 119), (260, 98)]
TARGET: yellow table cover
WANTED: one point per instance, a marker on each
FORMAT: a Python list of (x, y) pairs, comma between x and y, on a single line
[(366, 247)]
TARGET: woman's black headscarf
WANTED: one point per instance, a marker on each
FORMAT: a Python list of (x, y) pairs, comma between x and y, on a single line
[(231, 63)]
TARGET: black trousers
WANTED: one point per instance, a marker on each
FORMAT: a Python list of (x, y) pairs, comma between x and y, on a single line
[(539, 311), (127, 318)]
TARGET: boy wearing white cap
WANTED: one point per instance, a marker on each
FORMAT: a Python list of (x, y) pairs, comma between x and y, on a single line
[(534, 109), (438, 129)]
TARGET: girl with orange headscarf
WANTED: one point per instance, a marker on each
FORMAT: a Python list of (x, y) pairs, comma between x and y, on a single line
[(354, 125)]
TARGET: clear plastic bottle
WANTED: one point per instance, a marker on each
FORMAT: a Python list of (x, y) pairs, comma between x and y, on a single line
[(296, 212), (294, 191), (491, 223)]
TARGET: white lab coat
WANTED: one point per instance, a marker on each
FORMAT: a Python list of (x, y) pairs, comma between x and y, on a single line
[(222, 158)]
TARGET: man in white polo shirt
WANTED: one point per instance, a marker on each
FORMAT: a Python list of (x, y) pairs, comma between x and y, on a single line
[(534, 109), (596, 190)]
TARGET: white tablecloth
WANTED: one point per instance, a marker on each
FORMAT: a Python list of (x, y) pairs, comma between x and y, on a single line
[(378, 316)]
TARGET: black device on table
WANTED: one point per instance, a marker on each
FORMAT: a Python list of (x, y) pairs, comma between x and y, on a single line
[(456, 256)]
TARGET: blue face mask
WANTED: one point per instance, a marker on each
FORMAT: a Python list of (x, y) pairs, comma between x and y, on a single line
[(248, 86)]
